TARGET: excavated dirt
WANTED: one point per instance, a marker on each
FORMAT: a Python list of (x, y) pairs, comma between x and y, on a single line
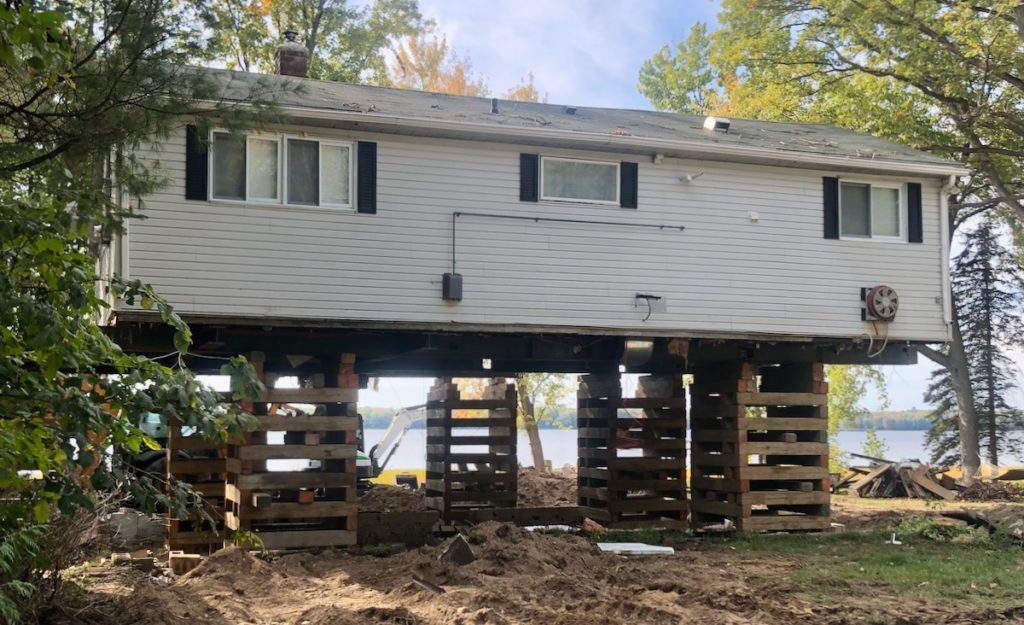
[(387, 498), (519, 578), (547, 490)]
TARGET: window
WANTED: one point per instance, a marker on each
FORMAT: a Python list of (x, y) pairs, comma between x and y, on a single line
[(870, 211), (579, 181), (263, 164), (281, 170)]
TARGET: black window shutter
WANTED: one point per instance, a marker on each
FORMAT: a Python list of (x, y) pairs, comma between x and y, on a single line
[(915, 228), (831, 192), (628, 184), (197, 165), (366, 177), (529, 177)]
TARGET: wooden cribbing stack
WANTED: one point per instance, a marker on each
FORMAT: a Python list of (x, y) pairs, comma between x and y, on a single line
[(202, 464), (759, 456), (299, 507), (471, 470), (632, 469)]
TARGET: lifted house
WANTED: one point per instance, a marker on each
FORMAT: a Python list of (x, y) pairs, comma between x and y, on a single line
[(388, 232)]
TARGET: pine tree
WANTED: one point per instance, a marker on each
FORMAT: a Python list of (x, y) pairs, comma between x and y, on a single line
[(988, 282)]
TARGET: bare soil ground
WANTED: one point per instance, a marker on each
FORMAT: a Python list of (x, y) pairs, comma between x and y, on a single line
[(547, 490), (525, 578)]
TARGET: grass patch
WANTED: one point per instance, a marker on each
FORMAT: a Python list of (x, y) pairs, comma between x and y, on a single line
[(959, 567)]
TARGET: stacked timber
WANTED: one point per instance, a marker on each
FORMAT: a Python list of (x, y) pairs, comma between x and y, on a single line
[(886, 478), (759, 456), (202, 464), (311, 502), (472, 461), (632, 469)]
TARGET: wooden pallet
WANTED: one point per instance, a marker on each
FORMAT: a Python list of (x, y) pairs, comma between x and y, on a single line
[(640, 488), (300, 507), (759, 452), (202, 464), (459, 479)]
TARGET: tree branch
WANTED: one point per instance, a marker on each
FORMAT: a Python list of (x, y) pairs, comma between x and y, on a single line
[(934, 355)]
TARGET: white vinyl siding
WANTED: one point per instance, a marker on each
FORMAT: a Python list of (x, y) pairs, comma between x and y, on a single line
[(726, 274)]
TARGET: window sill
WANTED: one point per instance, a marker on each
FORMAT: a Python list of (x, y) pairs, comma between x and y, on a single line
[(284, 208), (890, 240)]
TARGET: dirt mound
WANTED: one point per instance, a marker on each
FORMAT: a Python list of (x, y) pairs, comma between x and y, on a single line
[(328, 615), (228, 563), (992, 491), (387, 498), (546, 490)]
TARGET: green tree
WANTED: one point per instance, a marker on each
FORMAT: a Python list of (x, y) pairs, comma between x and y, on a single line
[(682, 80), (937, 75), (539, 394), (848, 386), (989, 283), (346, 43), (81, 87)]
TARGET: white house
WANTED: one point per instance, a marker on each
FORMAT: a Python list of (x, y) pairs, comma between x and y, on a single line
[(556, 218)]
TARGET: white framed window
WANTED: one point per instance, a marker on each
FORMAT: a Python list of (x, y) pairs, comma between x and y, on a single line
[(281, 169), (576, 180), (871, 211)]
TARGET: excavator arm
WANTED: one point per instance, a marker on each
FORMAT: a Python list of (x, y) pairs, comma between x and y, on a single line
[(381, 453)]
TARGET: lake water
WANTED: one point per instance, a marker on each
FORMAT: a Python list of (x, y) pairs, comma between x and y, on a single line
[(560, 447)]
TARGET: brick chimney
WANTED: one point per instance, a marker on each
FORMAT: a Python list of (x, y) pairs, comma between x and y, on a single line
[(291, 58)]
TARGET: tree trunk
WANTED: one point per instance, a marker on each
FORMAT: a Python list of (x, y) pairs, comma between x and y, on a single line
[(970, 453), (526, 405)]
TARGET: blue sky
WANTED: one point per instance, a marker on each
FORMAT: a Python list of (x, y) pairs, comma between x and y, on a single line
[(584, 52)]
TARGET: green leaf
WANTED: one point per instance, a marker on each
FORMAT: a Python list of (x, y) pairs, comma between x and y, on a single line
[(41, 512)]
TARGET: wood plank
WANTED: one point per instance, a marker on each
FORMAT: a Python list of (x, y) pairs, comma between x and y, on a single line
[(783, 424), (778, 497), (291, 510), (857, 487), (182, 466), (782, 473), (720, 508), (312, 538), (781, 399), (286, 480), (471, 422), (651, 504), (291, 452), (650, 464), (279, 423), (762, 448), (919, 477)]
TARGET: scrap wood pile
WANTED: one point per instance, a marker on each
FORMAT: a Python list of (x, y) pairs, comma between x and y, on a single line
[(887, 478)]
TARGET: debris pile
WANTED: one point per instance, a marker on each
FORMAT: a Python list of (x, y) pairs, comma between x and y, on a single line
[(992, 491), (887, 478)]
